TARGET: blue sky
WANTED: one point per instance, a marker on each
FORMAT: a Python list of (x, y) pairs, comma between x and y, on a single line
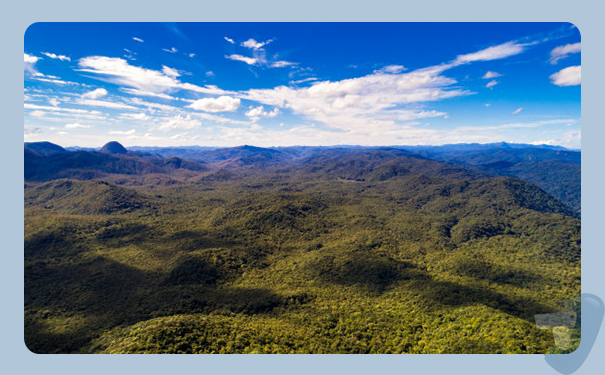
[(283, 84)]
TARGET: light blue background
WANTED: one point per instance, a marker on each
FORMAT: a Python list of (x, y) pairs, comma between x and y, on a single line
[(587, 15)]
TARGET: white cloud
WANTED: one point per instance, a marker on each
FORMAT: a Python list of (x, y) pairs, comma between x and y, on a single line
[(30, 59), (170, 72), (220, 104), (134, 116), (29, 62), (491, 84), (57, 57), (54, 80), (95, 94), (570, 76), (37, 113), (492, 53), (247, 60), (516, 111), (192, 55), (489, 75), (122, 132), (260, 111), (303, 80), (282, 64), (138, 92), (362, 103), (32, 131), (571, 139), (59, 109), (562, 52), (391, 69), (152, 106), (138, 39), (179, 122), (209, 73), (253, 44), (54, 102), (103, 103), (120, 72), (171, 50), (230, 40), (76, 125)]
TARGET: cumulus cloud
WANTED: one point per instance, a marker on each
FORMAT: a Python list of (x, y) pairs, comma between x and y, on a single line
[(516, 111), (220, 104), (230, 40), (30, 59), (29, 62), (379, 101), (489, 75), (491, 84), (253, 44), (260, 112), (562, 52), (571, 139), (120, 72), (57, 57), (170, 72), (359, 103), (95, 94), (570, 76), (179, 122)]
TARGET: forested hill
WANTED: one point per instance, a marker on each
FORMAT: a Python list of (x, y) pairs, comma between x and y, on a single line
[(554, 169), (289, 250)]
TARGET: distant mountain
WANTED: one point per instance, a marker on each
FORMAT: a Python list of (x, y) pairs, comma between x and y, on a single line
[(554, 169), (87, 165), (44, 148), (113, 148), (375, 164)]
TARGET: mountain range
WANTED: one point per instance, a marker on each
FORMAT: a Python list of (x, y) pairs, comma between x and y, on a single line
[(424, 249)]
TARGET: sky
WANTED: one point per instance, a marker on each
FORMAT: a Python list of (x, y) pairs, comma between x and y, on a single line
[(286, 84)]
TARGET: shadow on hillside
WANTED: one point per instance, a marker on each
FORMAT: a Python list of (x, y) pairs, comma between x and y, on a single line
[(107, 294), (482, 270), (375, 274)]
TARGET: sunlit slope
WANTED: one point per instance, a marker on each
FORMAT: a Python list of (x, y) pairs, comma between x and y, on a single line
[(304, 260)]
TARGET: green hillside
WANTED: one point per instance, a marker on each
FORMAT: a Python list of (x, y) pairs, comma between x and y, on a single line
[(298, 260)]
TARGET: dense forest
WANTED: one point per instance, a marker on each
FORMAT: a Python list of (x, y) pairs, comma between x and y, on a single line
[(298, 250)]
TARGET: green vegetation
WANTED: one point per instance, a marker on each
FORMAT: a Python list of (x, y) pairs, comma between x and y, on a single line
[(368, 253)]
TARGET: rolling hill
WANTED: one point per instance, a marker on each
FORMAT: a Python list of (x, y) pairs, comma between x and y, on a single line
[(300, 250)]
